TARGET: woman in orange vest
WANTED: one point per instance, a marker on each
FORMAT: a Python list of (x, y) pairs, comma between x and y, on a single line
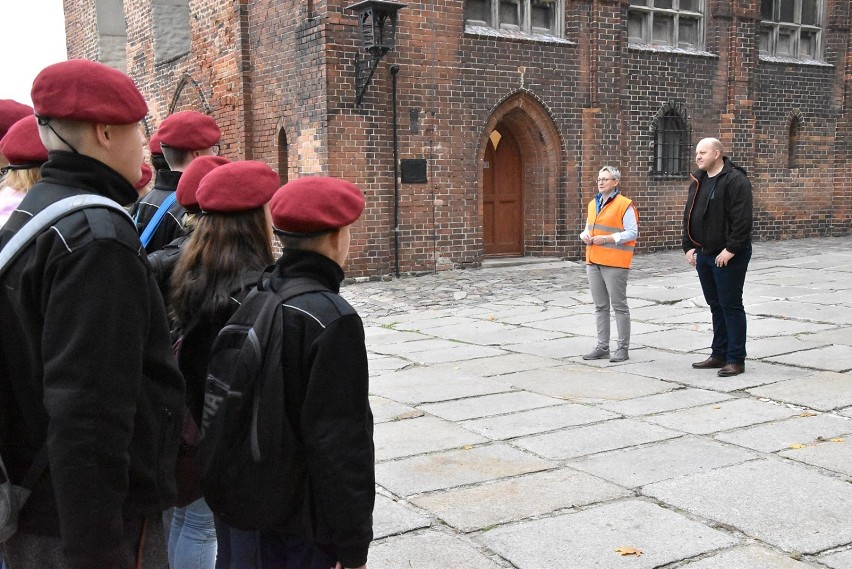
[(612, 227)]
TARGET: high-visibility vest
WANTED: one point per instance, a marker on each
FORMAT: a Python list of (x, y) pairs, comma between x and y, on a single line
[(610, 220)]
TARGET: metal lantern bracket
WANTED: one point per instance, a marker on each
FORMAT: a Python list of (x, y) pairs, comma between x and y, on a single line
[(377, 26)]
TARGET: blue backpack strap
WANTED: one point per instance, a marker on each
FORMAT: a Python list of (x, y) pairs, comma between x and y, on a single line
[(152, 226)]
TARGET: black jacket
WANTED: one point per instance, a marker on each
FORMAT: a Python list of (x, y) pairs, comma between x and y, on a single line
[(326, 384), (86, 364), (163, 262), (171, 227), (722, 220)]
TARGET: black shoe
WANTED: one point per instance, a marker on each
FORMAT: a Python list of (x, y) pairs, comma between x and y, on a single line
[(709, 363), (731, 370)]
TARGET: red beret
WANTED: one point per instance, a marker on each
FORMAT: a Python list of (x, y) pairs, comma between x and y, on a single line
[(238, 186), (315, 204), (191, 177), (87, 91), (154, 145), (10, 113), (189, 130), (22, 145), (147, 173)]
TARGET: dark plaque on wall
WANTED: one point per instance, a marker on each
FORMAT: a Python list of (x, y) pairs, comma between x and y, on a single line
[(413, 170)]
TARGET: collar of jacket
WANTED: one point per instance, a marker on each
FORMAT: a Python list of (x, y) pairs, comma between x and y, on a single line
[(167, 180), (80, 171), (307, 264)]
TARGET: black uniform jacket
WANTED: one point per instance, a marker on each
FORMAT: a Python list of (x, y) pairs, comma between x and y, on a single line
[(171, 227), (722, 219), (326, 384), (86, 364)]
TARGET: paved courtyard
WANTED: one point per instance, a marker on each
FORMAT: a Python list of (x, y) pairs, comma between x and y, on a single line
[(498, 446)]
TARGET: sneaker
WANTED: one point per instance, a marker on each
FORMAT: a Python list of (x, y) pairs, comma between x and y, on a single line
[(597, 354), (620, 355)]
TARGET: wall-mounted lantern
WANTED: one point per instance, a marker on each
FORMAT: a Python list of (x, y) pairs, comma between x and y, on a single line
[(377, 24)]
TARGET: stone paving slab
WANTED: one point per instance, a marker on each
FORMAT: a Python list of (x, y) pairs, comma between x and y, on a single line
[(679, 340), (789, 506), (586, 384), (804, 311), (765, 289), (833, 336), (669, 312), (489, 405), (838, 560), (831, 358), (834, 455), (748, 557), (537, 421), (498, 365), (581, 323), (380, 365), (377, 335), (419, 435), (722, 416), (779, 435), (683, 398), (485, 333), (646, 291), (419, 385), (759, 348), (426, 325), (559, 348), (385, 410), (456, 352), (581, 441), (589, 539), (427, 550), (764, 326), (526, 315), (635, 467), (823, 391), (391, 517), (438, 471), (508, 500)]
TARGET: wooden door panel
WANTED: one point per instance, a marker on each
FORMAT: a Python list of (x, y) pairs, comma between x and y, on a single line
[(503, 198)]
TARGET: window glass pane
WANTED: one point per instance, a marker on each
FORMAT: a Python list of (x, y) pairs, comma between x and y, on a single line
[(636, 27), (687, 32), (766, 10), (509, 13), (638, 2), (476, 10), (542, 15), (665, 4), (663, 28), (810, 13), (765, 37), (784, 45), (808, 44), (690, 5), (788, 11)]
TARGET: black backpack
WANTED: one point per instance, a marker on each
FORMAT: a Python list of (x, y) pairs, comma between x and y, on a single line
[(247, 447)]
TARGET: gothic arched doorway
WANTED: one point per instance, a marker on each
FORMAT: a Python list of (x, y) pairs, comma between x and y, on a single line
[(503, 192)]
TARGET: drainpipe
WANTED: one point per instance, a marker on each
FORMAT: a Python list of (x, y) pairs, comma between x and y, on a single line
[(394, 70)]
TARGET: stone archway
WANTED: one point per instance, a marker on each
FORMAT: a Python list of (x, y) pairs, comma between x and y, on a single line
[(527, 204)]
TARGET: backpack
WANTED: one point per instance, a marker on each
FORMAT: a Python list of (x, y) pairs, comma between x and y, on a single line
[(13, 496), (246, 450)]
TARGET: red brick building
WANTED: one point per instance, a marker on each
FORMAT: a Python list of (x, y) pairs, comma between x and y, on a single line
[(511, 105)]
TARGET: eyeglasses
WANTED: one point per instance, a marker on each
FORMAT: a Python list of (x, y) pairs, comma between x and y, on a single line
[(604, 180)]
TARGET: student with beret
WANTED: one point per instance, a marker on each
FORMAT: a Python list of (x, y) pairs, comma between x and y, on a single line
[(223, 257), (10, 113), (86, 364), (25, 153), (182, 138), (326, 383)]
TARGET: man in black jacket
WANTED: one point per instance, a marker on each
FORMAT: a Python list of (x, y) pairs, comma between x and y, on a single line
[(717, 223), (326, 383), (86, 366)]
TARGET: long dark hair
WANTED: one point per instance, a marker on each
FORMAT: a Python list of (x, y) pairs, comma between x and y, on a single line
[(221, 250)]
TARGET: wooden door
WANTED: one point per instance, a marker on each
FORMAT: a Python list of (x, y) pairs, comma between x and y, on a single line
[(503, 196)]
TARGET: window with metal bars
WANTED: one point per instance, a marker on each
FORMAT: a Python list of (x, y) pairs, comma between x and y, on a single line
[(672, 147)]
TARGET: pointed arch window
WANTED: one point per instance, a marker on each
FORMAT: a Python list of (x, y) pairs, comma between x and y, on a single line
[(794, 141), (672, 146)]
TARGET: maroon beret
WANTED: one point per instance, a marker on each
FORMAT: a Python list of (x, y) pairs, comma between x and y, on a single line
[(22, 145), (87, 91), (238, 186), (147, 174), (10, 113), (154, 145), (191, 177), (189, 130), (315, 204)]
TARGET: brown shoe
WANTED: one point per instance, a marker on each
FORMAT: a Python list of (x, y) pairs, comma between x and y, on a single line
[(731, 370), (709, 363)]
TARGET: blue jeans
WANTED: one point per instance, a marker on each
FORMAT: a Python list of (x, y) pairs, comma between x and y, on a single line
[(723, 291), (292, 552), (238, 549), (192, 537)]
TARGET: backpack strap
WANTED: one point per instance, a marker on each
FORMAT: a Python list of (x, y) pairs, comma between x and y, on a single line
[(152, 226), (47, 217)]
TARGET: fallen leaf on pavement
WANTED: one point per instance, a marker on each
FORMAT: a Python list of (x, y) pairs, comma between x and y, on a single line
[(625, 551), (808, 414), (797, 445), (837, 440)]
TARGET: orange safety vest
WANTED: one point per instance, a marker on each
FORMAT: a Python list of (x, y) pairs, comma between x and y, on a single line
[(610, 220)]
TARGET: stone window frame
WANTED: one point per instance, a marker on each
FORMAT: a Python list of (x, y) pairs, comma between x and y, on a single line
[(643, 17), (782, 30), (671, 137), (516, 16)]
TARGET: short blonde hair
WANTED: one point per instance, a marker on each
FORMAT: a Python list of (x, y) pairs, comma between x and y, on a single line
[(21, 180)]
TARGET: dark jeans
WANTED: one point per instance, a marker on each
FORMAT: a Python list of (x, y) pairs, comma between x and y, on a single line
[(238, 549), (292, 552), (723, 291)]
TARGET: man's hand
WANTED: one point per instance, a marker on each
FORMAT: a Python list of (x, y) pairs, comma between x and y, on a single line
[(690, 257), (723, 258)]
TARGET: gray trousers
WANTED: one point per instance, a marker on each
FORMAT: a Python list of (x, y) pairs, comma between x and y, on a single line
[(608, 286)]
